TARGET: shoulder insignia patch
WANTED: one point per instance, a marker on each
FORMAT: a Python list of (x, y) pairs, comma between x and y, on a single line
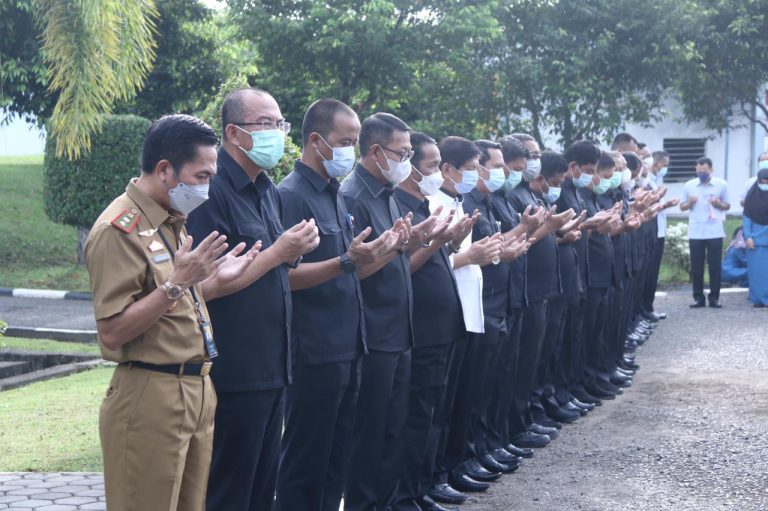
[(127, 220)]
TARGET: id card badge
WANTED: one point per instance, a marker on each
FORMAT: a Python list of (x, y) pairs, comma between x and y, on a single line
[(210, 344)]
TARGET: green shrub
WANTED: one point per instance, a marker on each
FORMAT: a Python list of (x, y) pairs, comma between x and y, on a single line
[(212, 115), (77, 191), (676, 252)]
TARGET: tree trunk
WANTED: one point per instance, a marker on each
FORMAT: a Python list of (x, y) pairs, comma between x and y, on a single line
[(82, 236)]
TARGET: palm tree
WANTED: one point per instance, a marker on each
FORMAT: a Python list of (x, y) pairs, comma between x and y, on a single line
[(97, 52)]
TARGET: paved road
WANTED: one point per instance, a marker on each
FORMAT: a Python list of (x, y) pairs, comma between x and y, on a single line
[(43, 312), (690, 434)]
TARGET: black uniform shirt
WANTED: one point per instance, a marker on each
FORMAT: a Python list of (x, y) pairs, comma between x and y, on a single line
[(437, 315), (327, 321), (495, 276), (543, 259), (573, 256), (251, 327), (620, 250), (600, 248), (509, 219), (387, 296)]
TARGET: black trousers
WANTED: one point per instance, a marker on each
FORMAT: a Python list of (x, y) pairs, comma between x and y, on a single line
[(616, 329), (246, 447), (502, 394), (563, 361), (710, 251), (429, 376), (320, 410), (378, 428), (552, 345), (594, 330), (443, 422), (652, 278), (575, 340), (531, 339)]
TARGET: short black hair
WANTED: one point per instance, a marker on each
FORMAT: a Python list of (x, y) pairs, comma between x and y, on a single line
[(418, 141), (484, 146), (175, 138), (513, 149), (320, 117), (606, 161), (659, 155), (457, 150), (583, 152), (378, 129), (553, 164), (233, 106), (704, 161), (634, 163), (642, 145), (621, 139), (522, 137)]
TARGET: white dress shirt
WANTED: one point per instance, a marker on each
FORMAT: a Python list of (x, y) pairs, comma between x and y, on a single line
[(705, 221)]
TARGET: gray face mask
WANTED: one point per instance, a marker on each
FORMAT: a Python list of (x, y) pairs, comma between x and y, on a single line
[(532, 171), (185, 198)]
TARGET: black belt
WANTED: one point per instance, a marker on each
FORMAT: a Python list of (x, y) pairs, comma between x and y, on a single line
[(202, 369)]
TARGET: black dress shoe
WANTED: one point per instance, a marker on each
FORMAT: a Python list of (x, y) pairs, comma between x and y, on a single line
[(446, 494), (600, 392), (585, 397), (630, 366), (617, 375), (697, 305), (476, 471), (585, 406), (552, 433), (517, 451), (715, 304), (541, 417), (655, 316), (609, 386), (489, 463), (650, 317), (646, 324), (464, 483), (530, 439), (643, 332), (561, 414), (505, 457), (621, 383), (426, 503), (570, 407)]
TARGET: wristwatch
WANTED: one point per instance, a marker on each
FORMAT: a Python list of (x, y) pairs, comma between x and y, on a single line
[(172, 291), (295, 264), (347, 266)]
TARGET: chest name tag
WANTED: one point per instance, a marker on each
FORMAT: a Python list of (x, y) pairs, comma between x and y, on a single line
[(160, 258)]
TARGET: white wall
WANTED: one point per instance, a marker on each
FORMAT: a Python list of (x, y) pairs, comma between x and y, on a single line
[(20, 138)]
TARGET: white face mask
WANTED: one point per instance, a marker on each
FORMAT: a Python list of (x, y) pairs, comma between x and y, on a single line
[(429, 185), (185, 198), (532, 170), (626, 176), (398, 171), (628, 186)]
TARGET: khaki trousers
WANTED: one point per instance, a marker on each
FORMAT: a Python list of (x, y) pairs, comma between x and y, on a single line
[(156, 436)]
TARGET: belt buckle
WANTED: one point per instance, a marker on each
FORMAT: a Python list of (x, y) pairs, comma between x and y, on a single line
[(206, 369)]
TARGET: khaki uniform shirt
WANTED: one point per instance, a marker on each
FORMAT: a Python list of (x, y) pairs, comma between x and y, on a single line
[(127, 260)]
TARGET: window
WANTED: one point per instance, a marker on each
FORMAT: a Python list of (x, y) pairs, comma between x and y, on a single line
[(683, 153)]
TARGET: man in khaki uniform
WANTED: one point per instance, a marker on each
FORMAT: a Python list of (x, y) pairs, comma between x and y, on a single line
[(149, 287)]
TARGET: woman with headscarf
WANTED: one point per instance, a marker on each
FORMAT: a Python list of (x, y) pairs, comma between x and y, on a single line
[(756, 235)]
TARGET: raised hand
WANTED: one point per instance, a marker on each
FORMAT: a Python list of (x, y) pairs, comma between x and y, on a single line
[(532, 218), (486, 251), (514, 247), (297, 241), (559, 220), (465, 227), (193, 266), (233, 264)]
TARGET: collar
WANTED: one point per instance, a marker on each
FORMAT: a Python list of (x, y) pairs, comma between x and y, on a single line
[(454, 196), (315, 179), (411, 201), (371, 183), (154, 212), (230, 170)]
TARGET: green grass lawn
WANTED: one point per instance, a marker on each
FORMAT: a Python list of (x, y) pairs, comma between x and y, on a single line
[(52, 426), (34, 252), (18, 343)]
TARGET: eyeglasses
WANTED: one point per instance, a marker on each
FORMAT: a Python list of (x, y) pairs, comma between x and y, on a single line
[(283, 126), (402, 156)]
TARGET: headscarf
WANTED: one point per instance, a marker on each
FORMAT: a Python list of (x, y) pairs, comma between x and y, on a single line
[(756, 201)]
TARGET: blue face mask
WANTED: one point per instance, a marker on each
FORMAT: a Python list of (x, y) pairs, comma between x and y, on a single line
[(583, 180), (495, 180), (763, 186), (763, 165), (663, 171), (603, 186), (343, 160), (703, 176), (468, 182), (268, 147), (553, 194), (514, 178)]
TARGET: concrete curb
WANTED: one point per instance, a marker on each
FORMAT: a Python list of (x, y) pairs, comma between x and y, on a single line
[(51, 372), (51, 294), (57, 334)]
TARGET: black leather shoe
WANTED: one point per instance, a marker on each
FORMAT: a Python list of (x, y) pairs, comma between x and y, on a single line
[(570, 407), (630, 347), (643, 332), (530, 439), (561, 414), (610, 387), (617, 375), (585, 397), (630, 366), (714, 304), (505, 457), (639, 339), (660, 315), (489, 463), (426, 503), (649, 316), (464, 483), (476, 471), (585, 406), (648, 325), (620, 382), (446, 494), (697, 305), (552, 433), (540, 417), (599, 392), (517, 451)]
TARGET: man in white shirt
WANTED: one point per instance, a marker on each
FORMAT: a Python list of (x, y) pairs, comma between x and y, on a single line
[(706, 197)]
